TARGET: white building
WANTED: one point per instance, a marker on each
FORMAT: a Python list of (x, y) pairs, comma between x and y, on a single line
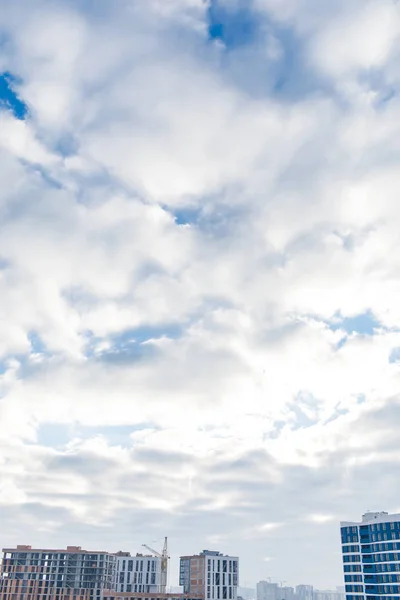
[(138, 574), (267, 590), (328, 595), (286, 593), (274, 591), (371, 557), (305, 592), (210, 575)]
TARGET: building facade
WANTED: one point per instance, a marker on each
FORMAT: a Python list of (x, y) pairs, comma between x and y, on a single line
[(305, 592), (371, 557), (138, 574), (329, 595), (267, 590), (210, 575), (42, 574), (286, 593), (109, 595)]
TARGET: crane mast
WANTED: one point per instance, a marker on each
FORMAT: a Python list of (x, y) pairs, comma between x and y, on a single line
[(164, 564)]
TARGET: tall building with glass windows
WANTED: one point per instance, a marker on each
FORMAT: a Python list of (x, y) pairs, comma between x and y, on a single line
[(210, 575), (371, 557)]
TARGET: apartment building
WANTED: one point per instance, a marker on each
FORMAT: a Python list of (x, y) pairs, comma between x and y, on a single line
[(43, 574), (304, 592), (329, 595), (210, 575), (138, 574), (371, 557), (266, 590), (147, 596)]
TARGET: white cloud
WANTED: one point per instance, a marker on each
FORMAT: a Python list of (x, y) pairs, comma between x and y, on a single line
[(360, 39)]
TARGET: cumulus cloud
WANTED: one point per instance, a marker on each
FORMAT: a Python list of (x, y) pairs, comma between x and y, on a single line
[(199, 278)]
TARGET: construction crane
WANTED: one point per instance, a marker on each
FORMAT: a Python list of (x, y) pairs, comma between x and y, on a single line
[(164, 564)]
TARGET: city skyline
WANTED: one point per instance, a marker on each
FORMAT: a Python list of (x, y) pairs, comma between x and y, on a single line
[(130, 556), (125, 565)]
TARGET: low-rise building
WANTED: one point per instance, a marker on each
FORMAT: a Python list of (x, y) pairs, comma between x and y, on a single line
[(138, 574), (43, 574)]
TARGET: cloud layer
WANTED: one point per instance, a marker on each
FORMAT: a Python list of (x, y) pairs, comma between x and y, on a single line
[(199, 276)]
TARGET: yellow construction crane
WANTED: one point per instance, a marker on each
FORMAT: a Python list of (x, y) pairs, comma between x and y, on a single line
[(164, 564)]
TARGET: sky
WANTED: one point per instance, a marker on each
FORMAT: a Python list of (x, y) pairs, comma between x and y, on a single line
[(199, 276)]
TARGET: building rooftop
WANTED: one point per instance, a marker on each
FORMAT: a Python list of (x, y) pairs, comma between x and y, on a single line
[(67, 550), (373, 517), (209, 553)]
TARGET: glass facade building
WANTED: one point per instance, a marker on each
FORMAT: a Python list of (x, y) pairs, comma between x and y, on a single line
[(371, 557)]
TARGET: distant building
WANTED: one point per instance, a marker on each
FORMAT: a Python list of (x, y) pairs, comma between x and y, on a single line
[(246, 593), (137, 574), (267, 590), (328, 595), (210, 575), (304, 592), (110, 595), (286, 593), (43, 574), (371, 557)]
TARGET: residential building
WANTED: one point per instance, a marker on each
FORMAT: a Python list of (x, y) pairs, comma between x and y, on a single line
[(286, 593), (328, 595), (210, 575), (371, 557), (138, 574), (43, 574), (110, 595), (304, 592), (267, 590)]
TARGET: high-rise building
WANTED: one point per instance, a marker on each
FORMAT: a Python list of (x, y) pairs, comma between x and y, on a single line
[(304, 592), (71, 574), (140, 573), (371, 557), (286, 593), (210, 575), (267, 590)]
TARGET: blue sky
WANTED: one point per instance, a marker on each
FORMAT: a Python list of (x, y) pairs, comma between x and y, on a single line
[(233, 26), (199, 276), (9, 98)]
